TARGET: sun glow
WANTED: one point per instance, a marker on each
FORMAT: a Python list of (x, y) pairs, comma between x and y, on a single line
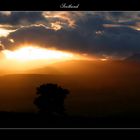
[(35, 53), (29, 57)]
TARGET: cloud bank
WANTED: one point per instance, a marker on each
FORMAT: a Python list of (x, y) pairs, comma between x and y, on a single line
[(98, 33)]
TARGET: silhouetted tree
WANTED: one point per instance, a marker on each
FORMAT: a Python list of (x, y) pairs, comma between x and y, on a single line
[(51, 99)]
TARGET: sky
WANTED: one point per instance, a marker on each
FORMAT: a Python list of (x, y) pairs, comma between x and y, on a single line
[(99, 33)]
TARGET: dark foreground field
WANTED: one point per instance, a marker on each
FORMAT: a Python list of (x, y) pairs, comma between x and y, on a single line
[(32, 120)]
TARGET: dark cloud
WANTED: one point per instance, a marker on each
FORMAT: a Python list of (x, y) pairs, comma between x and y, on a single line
[(120, 40), (62, 39), (89, 34), (21, 18)]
